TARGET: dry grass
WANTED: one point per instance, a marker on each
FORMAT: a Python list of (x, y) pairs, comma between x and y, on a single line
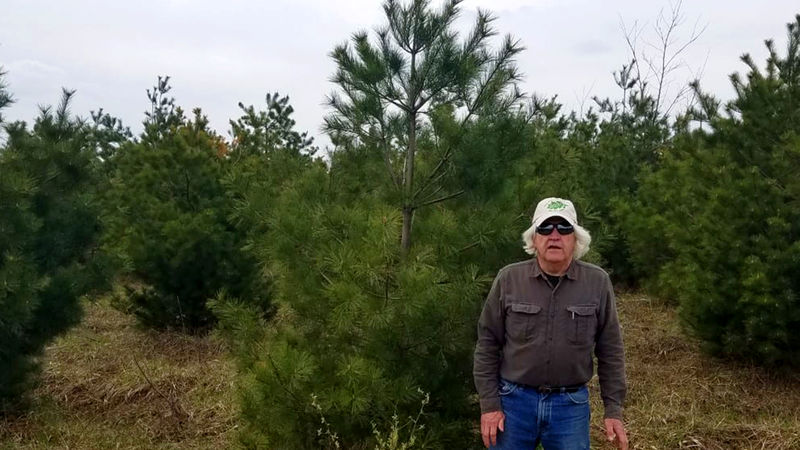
[(108, 384), (181, 394), (679, 398)]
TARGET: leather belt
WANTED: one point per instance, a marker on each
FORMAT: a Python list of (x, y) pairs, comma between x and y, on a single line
[(556, 389)]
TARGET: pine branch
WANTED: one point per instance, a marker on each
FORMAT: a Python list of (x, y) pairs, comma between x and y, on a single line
[(282, 381), (470, 246), (430, 181), (440, 199)]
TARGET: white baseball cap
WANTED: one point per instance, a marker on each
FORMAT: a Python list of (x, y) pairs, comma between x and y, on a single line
[(555, 207)]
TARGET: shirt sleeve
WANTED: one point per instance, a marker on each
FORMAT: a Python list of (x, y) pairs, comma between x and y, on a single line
[(610, 356), (491, 337)]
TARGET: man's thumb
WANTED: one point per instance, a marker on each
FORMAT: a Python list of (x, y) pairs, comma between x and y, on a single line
[(502, 424)]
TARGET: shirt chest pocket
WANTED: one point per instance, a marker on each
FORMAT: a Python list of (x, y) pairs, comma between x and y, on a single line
[(582, 323), (521, 320)]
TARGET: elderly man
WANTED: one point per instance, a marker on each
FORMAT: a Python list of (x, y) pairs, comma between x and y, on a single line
[(541, 321)]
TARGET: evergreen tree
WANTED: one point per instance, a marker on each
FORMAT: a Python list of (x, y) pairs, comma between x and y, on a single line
[(48, 230), (415, 65), (168, 218), (266, 151), (614, 146), (358, 331), (270, 131)]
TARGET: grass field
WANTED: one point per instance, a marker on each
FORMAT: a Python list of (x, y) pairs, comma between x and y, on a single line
[(108, 384), (679, 398)]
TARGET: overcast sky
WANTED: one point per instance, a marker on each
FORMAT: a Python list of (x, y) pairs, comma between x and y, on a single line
[(221, 53)]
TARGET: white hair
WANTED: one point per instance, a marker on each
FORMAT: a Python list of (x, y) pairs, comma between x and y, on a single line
[(582, 241)]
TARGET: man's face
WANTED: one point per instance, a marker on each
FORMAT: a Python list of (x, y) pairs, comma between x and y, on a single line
[(554, 248)]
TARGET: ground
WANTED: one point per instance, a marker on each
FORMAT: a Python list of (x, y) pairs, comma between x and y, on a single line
[(109, 384), (680, 398)]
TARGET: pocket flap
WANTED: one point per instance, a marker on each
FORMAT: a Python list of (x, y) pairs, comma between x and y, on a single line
[(587, 310), (525, 308)]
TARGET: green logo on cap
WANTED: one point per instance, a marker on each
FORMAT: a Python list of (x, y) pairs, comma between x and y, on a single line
[(556, 205)]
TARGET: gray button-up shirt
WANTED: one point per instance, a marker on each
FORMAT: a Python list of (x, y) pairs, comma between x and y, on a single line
[(532, 334)]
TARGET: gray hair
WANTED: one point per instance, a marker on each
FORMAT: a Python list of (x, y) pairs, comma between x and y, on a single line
[(582, 241)]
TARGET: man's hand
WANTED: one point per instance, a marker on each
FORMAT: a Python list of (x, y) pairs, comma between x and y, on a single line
[(614, 430), (490, 423)]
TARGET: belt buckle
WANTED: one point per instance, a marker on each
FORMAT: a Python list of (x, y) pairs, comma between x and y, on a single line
[(546, 390)]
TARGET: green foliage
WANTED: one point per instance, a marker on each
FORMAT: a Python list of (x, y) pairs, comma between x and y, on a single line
[(5, 97), (163, 115), (356, 325), (168, 219), (265, 153), (416, 66), (108, 134), (270, 131), (48, 228), (724, 240)]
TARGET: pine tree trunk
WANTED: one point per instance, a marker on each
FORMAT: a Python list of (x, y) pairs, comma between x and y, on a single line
[(405, 240), (408, 183)]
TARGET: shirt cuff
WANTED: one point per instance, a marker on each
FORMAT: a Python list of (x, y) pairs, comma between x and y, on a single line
[(490, 404), (612, 412)]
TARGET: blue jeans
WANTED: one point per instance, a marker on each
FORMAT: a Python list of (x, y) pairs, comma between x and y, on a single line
[(556, 420)]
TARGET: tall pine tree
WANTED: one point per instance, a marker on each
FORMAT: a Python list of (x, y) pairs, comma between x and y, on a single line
[(415, 65)]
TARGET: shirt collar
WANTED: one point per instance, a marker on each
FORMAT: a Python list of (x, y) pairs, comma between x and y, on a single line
[(571, 273)]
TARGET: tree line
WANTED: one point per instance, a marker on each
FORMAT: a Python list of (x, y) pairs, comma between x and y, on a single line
[(348, 286)]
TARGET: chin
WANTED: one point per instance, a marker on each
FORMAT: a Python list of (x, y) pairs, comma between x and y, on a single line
[(555, 259)]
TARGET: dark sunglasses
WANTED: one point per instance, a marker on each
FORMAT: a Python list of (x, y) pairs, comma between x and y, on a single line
[(562, 227)]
